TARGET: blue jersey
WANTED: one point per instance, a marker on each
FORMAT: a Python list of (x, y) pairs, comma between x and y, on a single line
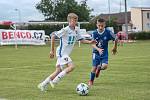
[(102, 39)]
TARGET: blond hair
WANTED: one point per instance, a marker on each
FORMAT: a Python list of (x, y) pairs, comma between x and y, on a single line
[(72, 15)]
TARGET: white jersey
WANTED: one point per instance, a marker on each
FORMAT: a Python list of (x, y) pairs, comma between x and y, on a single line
[(68, 38)]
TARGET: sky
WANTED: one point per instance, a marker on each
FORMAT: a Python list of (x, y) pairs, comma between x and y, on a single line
[(26, 10)]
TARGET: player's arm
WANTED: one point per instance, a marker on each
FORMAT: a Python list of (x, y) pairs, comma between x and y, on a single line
[(114, 49), (52, 45), (115, 39), (98, 49), (82, 40), (59, 34), (88, 42)]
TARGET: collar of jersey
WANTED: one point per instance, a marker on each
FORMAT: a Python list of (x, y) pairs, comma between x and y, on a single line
[(100, 32), (72, 28)]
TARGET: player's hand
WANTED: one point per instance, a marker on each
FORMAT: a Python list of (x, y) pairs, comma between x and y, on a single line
[(114, 51), (101, 51), (51, 54)]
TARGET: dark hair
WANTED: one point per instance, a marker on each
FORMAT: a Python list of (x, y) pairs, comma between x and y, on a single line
[(100, 20)]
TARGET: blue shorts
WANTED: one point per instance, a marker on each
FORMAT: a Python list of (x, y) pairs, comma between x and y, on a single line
[(98, 60)]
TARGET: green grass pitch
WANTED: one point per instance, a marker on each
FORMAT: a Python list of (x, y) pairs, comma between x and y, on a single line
[(127, 78)]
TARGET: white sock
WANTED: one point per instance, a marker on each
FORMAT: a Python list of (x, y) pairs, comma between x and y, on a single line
[(46, 81), (59, 77)]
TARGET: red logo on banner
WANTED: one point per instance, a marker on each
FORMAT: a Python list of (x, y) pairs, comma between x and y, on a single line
[(7, 23)]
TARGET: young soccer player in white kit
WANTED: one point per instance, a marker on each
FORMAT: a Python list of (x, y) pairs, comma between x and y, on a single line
[(68, 37)]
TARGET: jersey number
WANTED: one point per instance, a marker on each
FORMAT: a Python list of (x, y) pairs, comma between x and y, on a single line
[(71, 39)]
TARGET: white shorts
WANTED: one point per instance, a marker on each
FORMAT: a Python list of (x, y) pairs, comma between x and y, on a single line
[(63, 60)]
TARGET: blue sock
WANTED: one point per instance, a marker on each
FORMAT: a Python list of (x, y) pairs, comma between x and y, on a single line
[(92, 76)]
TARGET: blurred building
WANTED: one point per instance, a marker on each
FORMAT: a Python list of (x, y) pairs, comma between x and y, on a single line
[(140, 18), (118, 18)]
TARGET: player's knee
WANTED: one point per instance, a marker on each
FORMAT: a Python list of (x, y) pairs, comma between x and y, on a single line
[(104, 67), (93, 69), (58, 69), (72, 67)]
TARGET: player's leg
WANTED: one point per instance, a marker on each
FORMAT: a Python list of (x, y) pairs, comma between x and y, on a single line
[(104, 66), (65, 60), (104, 63), (59, 69), (49, 79), (68, 69), (55, 73), (95, 63), (98, 69), (92, 76)]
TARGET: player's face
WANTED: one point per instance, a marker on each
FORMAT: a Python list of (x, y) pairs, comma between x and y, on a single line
[(73, 22), (100, 26)]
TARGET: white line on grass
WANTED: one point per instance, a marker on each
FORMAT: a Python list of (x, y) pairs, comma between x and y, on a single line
[(28, 66), (23, 67), (133, 57), (2, 99)]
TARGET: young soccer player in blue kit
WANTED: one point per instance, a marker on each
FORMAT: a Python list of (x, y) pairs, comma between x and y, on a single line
[(100, 49)]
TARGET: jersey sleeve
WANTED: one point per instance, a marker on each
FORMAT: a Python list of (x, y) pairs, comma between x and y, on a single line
[(112, 36), (79, 36), (93, 36), (60, 33)]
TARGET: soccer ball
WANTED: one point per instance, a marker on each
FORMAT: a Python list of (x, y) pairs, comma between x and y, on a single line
[(82, 89)]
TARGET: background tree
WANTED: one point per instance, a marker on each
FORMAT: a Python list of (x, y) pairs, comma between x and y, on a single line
[(57, 10), (112, 23)]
